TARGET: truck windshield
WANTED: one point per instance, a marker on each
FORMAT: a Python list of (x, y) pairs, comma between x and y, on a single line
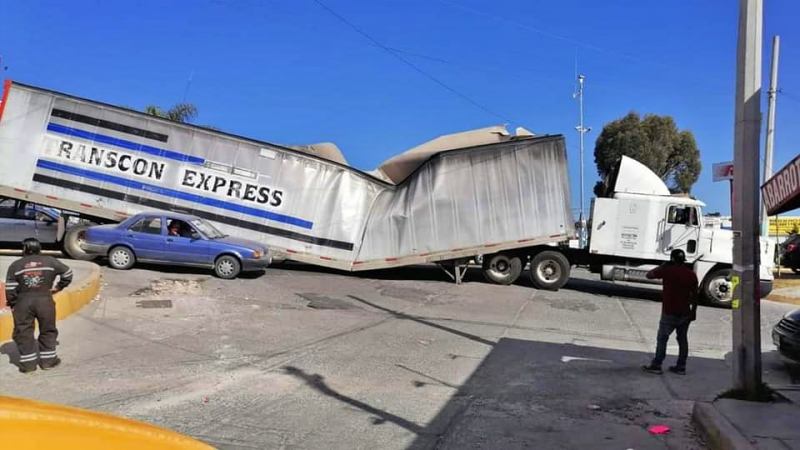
[(207, 229)]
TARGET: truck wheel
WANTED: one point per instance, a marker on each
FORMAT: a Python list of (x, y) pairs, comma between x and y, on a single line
[(718, 289), (71, 244), (549, 270), (502, 268), (121, 258), (227, 267)]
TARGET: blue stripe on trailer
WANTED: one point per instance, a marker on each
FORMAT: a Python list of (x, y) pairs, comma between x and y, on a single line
[(167, 192), (122, 143)]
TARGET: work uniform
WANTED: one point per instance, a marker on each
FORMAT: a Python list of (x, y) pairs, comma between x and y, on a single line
[(29, 285)]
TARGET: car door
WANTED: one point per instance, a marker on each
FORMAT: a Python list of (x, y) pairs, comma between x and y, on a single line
[(146, 238), (682, 230), (12, 229), (46, 227), (189, 248)]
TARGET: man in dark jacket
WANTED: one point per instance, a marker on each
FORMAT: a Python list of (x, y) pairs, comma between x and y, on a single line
[(30, 284), (678, 310)]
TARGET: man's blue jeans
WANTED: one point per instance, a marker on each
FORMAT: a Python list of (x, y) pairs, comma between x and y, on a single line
[(668, 324)]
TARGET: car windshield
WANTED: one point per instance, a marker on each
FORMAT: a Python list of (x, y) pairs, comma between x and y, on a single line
[(207, 229)]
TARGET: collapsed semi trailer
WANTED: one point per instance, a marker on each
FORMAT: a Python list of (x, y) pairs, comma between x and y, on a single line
[(483, 192), (486, 193)]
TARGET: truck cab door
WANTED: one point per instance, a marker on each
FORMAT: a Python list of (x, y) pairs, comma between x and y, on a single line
[(681, 230)]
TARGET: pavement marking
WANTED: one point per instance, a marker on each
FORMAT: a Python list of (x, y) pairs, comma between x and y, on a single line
[(566, 359)]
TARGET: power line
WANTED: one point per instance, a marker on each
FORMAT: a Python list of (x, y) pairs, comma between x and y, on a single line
[(411, 64), (549, 34), (788, 96)]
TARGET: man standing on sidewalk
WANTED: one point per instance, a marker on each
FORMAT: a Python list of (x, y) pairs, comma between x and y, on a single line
[(678, 310), (29, 292)]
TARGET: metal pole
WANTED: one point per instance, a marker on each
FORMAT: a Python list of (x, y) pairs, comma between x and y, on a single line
[(581, 132), (773, 96), (746, 301)]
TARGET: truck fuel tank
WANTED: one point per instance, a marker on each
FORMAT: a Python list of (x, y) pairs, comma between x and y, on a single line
[(636, 274)]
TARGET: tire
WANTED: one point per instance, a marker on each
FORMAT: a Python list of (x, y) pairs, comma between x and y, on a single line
[(502, 268), (227, 267), (71, 244), (717, 288), (549, 270), (121, 258)]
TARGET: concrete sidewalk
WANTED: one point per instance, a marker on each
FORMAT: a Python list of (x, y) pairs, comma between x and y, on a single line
[(84, 288), (738, 424)]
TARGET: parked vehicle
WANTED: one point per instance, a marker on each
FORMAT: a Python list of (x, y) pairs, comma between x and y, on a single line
[(20, 220), (174, 239), (786, 335), (790, 253)]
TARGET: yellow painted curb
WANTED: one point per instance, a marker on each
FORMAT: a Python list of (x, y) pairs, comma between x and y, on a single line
[(32, 424), (68, 301)]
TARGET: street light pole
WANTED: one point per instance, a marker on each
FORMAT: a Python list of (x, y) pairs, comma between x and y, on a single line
[(770, 141), (746, 208), (581, 132)]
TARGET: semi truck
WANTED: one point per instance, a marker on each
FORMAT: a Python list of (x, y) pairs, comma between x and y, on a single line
[(635, 225), (486, 194)]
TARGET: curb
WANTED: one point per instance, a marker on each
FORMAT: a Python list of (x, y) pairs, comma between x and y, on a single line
[(721, 434), (68, 301), (69, 427)]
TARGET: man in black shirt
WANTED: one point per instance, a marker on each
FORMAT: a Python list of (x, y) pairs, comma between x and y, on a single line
[(30, 284)]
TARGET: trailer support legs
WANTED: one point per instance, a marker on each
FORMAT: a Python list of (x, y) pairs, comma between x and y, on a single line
[(459, 269)]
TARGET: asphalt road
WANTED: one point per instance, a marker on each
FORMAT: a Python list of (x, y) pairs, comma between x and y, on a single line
[(307, 358)]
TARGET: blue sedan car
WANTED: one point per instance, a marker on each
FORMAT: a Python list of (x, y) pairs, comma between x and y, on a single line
[(174, 239)]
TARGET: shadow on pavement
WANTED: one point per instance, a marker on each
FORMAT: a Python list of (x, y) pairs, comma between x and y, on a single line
[(10, 349), (474, 274), (531, 394), (183, 270), (607, 288)]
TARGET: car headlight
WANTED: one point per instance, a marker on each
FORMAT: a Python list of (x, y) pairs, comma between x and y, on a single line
[(257, 254)]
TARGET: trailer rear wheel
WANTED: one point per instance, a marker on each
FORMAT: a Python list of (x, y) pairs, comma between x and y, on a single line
[(717, 288), (71, 244), (502, 268), (549, 270)]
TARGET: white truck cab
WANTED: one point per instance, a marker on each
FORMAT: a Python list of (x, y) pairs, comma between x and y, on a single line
[(638, 226)]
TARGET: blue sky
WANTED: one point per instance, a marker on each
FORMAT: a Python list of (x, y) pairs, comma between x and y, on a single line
[(292, 72)]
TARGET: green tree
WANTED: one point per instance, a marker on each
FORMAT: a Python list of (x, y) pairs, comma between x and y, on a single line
[(656, 142), (180, 112)]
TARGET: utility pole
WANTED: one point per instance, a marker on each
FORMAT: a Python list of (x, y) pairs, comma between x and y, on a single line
[(773, 96), (746, 301), (581, 132)]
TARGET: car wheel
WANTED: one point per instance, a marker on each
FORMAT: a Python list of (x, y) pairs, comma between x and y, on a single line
[(717, 288), (227, 267), (502, 268), (121, 258), (549, 270)]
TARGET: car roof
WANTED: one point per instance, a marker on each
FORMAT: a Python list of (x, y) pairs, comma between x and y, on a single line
[(171, 215)]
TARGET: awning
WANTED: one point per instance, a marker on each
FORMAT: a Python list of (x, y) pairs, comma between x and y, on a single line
[(781, 193)]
